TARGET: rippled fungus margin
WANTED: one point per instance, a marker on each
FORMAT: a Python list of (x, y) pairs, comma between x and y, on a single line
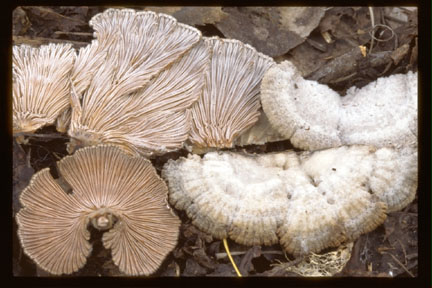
[(306, 201)]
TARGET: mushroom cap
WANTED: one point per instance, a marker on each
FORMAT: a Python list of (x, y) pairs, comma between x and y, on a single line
[(313, 116), (133, 84), (106, 184), (40, 84), (306, 201), (230, 101)]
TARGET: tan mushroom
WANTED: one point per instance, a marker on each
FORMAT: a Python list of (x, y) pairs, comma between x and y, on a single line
[(132, 86), (306, 201), (111, 191), (41, 84), (230, 100), (313, 116)]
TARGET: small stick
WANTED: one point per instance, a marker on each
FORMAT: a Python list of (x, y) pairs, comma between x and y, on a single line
[(73, 33), (397, 261), (231, 259), (223, 255), (373, 26), (50, 136)]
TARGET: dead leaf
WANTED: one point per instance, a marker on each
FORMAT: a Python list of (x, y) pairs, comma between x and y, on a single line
[(259, 27), (246, 265), (203, 259), (22, 173), (224, 270), (192, 15), (192, 268), (300, 20), (21, 23)]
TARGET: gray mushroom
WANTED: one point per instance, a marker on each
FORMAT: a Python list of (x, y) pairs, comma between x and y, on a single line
[(313, 116), (306, 201)]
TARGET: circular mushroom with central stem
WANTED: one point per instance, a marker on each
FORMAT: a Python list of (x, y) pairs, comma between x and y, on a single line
[(112, 191)]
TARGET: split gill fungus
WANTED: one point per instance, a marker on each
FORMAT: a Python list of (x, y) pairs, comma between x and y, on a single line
[(147, 85), (133, 85), (111, 190), (40, 85)]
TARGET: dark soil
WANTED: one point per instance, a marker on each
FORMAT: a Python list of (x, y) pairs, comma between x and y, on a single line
[(330, 54)]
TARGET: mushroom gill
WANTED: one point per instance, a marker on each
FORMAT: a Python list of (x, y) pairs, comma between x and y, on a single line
[(40, 84), (112, 191), (132, 86), (230, 101)]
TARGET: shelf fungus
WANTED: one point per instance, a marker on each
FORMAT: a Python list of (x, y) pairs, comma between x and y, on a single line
[(230, 101), (133, 84), (313, 116), (112, 191), (305, 201), (40, 84)]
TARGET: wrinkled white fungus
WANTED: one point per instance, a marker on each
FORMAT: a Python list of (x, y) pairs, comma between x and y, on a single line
[(306, 201), (313, 116)]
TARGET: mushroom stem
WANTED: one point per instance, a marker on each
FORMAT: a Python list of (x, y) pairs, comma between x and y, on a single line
[(231, 259)]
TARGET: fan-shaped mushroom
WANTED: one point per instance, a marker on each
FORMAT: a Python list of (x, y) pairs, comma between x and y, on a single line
[(313, 116), (132, 86), (41, 84), (230, 101), (306, 201), (112, 191)]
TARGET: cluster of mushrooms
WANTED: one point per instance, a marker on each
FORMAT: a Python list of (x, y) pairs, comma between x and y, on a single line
[(148, 85)]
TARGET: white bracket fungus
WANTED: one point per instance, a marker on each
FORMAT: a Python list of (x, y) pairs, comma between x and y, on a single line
[(132, 85), (306, 201), (110, 190), (230, 101), (313, 116), (41, 85)]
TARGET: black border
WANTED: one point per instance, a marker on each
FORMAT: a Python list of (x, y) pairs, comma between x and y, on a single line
[(424, 278)]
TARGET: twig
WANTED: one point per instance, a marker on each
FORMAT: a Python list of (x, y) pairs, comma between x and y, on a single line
[(343, 78), (231, 259), (391, 18), (373, 27), (73, 33), (49, 136), (398, 262), (403, 249), (224, 255)]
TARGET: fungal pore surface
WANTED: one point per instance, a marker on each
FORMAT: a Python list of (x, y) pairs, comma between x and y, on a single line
[(132, 85), (306, 201), (230, 101), (111, 190), (313, 116), (40, 84)]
